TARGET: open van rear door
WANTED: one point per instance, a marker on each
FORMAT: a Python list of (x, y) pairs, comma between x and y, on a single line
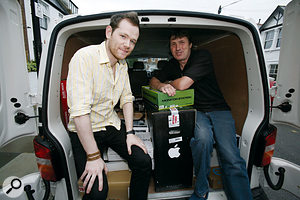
[(286, 114), (288, 78), (14, 85)]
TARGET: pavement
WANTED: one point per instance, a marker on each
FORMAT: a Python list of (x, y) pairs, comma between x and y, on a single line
[(17, 159)]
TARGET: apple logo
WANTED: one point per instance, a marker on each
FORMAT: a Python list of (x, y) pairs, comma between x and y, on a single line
[(174, 152)]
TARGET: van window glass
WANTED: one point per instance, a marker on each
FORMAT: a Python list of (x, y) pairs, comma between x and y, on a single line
[(150, 64)]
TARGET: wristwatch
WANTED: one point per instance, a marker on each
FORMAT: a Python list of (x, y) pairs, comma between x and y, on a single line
[(130, 132)]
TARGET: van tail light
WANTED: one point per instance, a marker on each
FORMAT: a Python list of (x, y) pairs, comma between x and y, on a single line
[(269, 147), (44, 159)]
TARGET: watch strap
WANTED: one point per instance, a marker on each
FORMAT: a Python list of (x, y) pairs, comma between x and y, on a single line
[(130, 132)]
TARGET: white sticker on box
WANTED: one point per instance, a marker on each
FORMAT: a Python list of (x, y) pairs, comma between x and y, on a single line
[(173, 118), (174, 140), (174, 132)]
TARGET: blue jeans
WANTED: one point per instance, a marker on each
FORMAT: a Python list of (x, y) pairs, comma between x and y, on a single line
[(218, 127)]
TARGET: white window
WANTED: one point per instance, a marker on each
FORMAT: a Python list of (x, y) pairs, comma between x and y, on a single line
[(269, 39), (44, 22), (279, 37), (273, 70)]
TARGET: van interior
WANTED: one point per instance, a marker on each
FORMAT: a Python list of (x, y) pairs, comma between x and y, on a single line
[(152, 51)]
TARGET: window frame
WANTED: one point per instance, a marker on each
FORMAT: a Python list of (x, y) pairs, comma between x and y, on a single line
[(273, 70), (279, 37), (268, 39), (44, 22)]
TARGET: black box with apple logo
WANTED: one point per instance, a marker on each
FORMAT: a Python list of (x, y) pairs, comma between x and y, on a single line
[(171, 132)]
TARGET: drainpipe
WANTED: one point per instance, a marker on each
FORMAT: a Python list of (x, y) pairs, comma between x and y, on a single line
[(37, 44)]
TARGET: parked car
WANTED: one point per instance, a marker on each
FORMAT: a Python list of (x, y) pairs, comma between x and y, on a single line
[(237, 54)]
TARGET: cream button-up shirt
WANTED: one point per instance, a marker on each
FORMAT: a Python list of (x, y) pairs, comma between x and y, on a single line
[(92, 88)]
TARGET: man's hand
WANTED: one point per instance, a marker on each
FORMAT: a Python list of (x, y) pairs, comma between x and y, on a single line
[(135, 140), (92, 170), (168, 89)]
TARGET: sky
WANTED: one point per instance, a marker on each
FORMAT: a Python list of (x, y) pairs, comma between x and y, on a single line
[(257, 10)]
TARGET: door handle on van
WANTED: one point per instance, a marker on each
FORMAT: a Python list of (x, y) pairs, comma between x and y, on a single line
[(280, 173), (21, 118), (284, 107)]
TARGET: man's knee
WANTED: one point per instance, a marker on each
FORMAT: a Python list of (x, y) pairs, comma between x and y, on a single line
[(95, 193), (141, 160), (145, 162), (201, 142)]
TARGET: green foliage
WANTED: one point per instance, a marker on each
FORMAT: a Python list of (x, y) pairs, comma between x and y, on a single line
[(31, 66)]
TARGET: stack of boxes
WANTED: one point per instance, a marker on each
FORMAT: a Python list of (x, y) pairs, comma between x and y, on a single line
[(166, 135), (171, 121)]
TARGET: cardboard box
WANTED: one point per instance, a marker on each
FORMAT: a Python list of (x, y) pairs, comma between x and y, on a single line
[(118, 183), (214, 178), (162, 101)]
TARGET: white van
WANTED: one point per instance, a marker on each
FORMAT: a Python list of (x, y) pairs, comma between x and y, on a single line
[(239, 62)]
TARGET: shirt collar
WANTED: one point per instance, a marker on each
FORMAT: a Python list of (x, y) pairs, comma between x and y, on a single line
[(103, 54), (104, 57)]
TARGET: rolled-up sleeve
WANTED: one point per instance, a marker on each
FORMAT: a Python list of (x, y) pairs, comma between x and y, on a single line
[(79, 85), (126, 95)]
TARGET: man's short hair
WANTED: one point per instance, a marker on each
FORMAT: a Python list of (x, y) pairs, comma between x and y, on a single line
[(132, 17), (180, 33)]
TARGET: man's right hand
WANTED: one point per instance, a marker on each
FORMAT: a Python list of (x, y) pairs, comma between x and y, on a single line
[(168, 89), (92, 170)]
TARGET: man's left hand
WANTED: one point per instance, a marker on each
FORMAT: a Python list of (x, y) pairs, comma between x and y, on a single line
[(135, 140)]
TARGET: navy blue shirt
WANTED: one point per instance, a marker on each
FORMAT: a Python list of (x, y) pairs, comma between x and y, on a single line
[(208, 96)]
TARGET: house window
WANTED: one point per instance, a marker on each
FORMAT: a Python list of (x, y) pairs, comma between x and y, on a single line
[(44, 22), (269, 39), (273, 70), (279, 37)]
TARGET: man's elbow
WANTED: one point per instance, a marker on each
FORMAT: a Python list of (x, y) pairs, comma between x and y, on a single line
[(181, 87), (154, 82), (151, 82)]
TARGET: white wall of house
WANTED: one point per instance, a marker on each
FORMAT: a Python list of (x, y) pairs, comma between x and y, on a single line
[(271, 39), (272, 53), (51, 17)]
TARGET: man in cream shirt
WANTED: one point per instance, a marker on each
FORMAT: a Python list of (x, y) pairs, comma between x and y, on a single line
[(97, 80)]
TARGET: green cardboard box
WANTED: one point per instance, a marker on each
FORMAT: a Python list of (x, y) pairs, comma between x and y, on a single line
[(162, 101)]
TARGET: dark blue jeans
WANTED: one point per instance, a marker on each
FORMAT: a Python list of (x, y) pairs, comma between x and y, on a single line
[(139, 163), (218, 127)]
